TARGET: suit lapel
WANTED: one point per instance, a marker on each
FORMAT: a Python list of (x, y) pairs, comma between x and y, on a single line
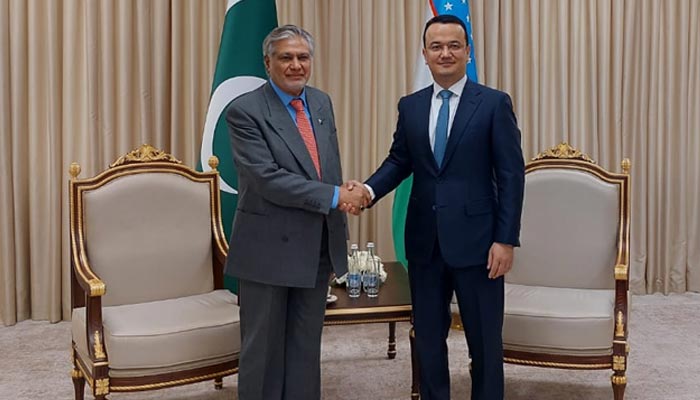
[(286, 128), (471, 98), (422, 121)]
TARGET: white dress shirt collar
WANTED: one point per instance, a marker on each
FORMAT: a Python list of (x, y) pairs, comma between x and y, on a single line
[(457, 88), (436, 101)]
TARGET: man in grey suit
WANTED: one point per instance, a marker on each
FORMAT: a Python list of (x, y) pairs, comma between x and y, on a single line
[(289, 232)]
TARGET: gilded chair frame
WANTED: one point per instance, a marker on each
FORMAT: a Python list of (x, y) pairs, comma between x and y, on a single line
[(87, 288), (566, 157)]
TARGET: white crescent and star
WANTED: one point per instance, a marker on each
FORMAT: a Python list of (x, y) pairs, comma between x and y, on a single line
[(222, 96)]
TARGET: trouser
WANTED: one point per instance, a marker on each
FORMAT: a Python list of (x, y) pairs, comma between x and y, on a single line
[(481, 303)]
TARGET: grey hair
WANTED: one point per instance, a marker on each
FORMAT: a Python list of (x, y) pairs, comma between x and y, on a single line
[(286, 32)]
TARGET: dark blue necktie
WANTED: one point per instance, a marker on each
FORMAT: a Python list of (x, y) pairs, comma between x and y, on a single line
[(443, 121)]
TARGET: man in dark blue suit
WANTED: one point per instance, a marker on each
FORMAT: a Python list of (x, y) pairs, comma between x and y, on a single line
[(461, 142)]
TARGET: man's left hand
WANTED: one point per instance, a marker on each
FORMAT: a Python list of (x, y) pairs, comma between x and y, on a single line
[(500, 260)]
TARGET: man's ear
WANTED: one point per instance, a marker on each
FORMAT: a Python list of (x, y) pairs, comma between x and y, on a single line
[(266, 59)]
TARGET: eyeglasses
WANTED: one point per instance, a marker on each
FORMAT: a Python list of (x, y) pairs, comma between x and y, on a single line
[(452, 47)]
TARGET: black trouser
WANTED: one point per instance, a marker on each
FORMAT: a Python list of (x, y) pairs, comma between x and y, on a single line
[(481, 307)]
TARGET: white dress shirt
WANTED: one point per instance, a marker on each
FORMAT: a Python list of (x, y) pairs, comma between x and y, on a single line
[(436, 103)]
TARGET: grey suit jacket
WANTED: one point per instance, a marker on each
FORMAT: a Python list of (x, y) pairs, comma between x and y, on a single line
[(282, 205)]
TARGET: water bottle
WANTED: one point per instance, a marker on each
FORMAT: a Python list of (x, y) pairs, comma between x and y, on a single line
[(371, 277), (352, 282)]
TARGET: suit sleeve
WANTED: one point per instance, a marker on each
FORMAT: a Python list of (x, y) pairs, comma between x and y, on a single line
[(256, 163), (509, 171), (397, 166)]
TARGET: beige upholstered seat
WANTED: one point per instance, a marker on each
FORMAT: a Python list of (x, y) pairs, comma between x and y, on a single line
[(149, 308), (559, 320), (566, 302)]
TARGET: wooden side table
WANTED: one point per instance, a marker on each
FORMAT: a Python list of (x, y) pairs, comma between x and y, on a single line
[(392, 305)]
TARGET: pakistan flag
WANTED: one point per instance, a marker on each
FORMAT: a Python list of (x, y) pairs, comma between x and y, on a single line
[(239, 69)]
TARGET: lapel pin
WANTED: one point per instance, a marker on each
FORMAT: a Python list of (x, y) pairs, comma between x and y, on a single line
[(320, 121)]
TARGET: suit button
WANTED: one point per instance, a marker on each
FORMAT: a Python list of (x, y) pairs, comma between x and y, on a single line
[(285, 239), (434, 207)]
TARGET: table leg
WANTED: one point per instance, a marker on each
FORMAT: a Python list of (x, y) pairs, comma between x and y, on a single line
[(415, 378), (391, 353)]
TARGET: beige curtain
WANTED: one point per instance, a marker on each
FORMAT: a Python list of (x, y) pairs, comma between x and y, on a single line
[(616, 79), (88, 80)]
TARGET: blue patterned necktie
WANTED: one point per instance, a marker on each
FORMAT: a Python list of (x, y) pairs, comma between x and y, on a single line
[(443, 121)]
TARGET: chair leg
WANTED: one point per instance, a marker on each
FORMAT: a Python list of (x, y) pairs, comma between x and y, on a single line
[(219, 383), (78, 383), (619, 382)]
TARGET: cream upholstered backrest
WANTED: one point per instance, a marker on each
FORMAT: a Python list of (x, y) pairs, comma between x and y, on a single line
[(149, 236), (570, 226)]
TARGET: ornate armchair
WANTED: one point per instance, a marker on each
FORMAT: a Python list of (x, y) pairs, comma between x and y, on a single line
[(147, 251), (566, 300)]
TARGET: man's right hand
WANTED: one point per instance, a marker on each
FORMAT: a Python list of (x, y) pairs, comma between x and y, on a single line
[(354, 197)]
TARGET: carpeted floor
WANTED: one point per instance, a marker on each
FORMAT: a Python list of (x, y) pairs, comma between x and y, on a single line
[(664, 363)]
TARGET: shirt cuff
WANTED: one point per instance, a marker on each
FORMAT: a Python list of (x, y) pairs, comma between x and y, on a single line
[(336, 195), (371, 191)]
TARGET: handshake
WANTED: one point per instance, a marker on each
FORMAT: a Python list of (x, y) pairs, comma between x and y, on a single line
[(354, 197)]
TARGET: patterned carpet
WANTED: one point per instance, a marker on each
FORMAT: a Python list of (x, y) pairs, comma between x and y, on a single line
[(664, 363)]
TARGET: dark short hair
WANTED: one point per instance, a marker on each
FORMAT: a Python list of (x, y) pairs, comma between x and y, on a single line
[(445, 19)]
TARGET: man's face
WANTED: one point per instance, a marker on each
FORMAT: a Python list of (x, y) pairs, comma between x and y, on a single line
[(289, 65), (446, 52)]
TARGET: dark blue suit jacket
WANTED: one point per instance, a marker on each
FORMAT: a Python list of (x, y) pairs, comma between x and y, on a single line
[(476, 197)]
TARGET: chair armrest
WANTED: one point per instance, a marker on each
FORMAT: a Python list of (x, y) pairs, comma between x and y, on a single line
[(220, 250), (95, 330), (220, 253), (93, 290), (621, 299), (93, 287), (621, 310), (621, 272), (84, 275)]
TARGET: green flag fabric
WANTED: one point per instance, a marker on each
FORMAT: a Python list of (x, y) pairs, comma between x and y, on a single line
[(239, 69), (398, 218), (421, 79)]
